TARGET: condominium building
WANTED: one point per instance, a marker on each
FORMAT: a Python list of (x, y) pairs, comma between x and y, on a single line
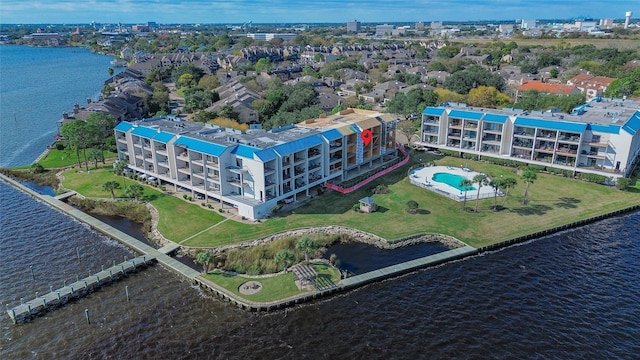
[(353, 26), (253, 170), (598, 137)]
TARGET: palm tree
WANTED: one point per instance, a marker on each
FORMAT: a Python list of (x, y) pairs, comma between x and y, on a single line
[(204, 258), (481, 179), (119, 167), (135, 191), (529, 176), (496, 184), (508, 183), (308, 245), (285, 257), (111, 186), (96, 156), (466, 184)]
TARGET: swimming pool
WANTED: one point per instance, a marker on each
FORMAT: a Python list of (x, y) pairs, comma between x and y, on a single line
[(452, 180)]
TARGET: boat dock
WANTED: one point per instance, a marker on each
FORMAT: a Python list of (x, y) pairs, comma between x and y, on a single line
[(147, 252), (59, 297)]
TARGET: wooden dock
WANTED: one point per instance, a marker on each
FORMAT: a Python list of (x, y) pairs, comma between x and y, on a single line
[(405, 267), (147, 252), (78, 289), (66, 195)]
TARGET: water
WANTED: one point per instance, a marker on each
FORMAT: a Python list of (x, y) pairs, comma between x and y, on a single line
[(452, 180), (36, 86), (359, 258), (573, 295)]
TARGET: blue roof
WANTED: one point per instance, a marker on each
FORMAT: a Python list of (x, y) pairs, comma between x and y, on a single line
[(551, 124), (244, 151), (163, 137), (433, 111), (201, 146), (332, 134), (633, 124), (145, 132), (471, 115), (265, 155), (123, 126), (495, 118), (297, 145), (611, 129)]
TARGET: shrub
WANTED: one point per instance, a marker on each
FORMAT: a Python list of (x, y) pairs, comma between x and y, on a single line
[(356, 207), (623, 183), (203, 204), (185, 196), (502, 162), (594, 178), (412, 204), (190, 198), (209, 206), (275, 209), (162, 188), (59, 146), (449, 152), (470, 156), (221, 211)]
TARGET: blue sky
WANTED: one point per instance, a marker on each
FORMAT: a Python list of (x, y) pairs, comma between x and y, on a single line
[(302, 11)]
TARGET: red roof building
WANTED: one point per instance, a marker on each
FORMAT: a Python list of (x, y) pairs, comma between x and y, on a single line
[(590, 84)]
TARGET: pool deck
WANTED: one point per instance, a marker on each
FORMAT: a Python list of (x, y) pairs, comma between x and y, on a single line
[(423, 176)]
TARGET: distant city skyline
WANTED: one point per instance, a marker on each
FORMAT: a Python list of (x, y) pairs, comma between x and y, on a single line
[(296, 11)]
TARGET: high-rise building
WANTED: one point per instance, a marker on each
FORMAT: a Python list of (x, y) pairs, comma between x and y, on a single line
[(353, 26), (384, 30)]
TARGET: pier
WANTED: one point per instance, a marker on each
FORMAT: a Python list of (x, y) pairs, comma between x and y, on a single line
[(58, 297), (147, 253)]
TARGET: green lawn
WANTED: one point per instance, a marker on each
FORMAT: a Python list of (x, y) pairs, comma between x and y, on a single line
[(179, 218), (273, 288), (554, 201), (62, 158)]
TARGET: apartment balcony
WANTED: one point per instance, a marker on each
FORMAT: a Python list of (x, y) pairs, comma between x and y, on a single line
[(569, 139), (314, 166), (430, 121), (197, 162), (298, 160), (593, 154), (546, 135), (546, 149), (235, 169), (567, 152), (183, 156), (234, 181), (524, 134), (269, 170), (163, 164), (122, 139), (455, 135), (213, 178), (596, 143), (334, 145), (184, 170), (455, 126)]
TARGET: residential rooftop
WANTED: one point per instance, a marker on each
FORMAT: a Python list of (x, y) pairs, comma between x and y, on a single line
[(600, 111)]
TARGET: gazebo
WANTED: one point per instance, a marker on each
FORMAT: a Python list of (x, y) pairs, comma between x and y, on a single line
[(368, 204)]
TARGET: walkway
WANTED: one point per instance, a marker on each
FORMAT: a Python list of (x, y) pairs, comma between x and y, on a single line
[(405, 267), (205, 230), (80, 288)]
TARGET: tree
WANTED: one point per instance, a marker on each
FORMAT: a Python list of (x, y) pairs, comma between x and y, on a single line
[(111, 186), (463, 81), (134, 191), (263, 65), (496, 184), (529, 176), (412, 206), (507, 184), (407, 128), (482, 180), (204, 258), (209, 82), (466, 184), (120, 166), (100, 127), (37, 168), (623, 183), (308, 245), (110, 71), (285, 257), (79, 135), (96, 156)]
